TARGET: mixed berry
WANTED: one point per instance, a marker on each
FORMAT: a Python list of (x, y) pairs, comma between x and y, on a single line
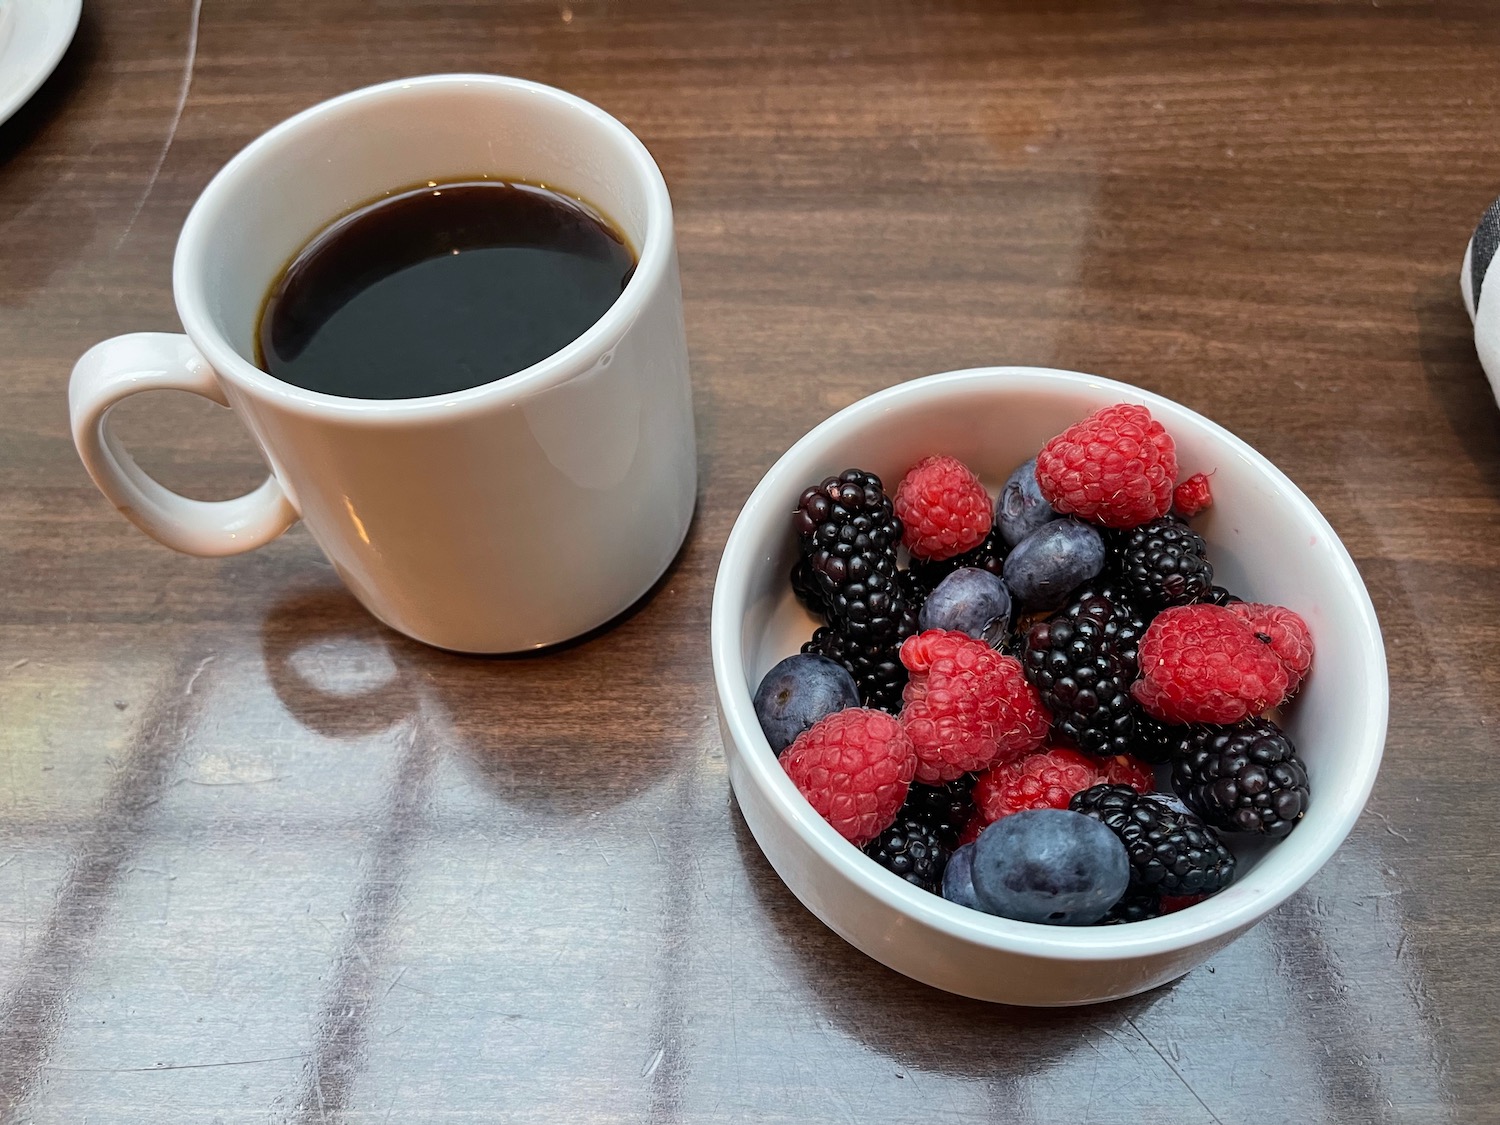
[(988, 721)]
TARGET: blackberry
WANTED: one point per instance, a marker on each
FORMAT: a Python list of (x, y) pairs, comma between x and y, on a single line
[(809, 592), (846, 527), (989, 555), (1082, 661), (1154, 741), (912, 592), (1163, 563), (944, 808), (1244, 778), (1171, 851), (875, 664), (1136, 906), (1217, 595), (913, 850)]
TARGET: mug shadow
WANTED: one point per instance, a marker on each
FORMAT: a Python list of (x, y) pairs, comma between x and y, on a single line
[(332, 667), (915, 1025), (526, 728)]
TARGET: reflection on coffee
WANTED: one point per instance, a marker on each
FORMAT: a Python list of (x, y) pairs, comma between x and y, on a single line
[(441, 288)]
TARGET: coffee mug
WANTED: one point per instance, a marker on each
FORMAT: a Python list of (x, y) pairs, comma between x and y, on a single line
[(502, 518)]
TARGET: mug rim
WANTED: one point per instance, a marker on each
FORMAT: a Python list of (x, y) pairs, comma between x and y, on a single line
[(195, 241)]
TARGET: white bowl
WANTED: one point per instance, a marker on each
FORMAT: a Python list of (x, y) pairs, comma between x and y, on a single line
[(1267, 543)]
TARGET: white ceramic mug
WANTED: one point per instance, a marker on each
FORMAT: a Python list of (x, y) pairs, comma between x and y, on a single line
[(496, 519)]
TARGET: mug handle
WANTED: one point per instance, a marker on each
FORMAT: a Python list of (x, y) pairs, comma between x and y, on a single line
[(158, 361)]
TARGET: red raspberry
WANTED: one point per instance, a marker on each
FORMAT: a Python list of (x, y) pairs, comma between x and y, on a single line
[(1171, 904), (1045, 780), (1049, 778), (854, 767), (944, 507), (1123, 769), (1116, 467), (967, 706), (1204, 664), (1192, 496), (1285, 632), (972, 829)]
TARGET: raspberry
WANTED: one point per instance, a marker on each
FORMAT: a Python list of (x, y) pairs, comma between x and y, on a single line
[(1203, 664), (967, 706), (1045, 780), (1171, 904), (1285, 632), (1122, 769), (971, 830), (1116, 467), (854, 767), (1192, 496), (945, 509)]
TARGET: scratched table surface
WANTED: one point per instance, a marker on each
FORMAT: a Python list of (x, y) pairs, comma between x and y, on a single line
[(261, 860)]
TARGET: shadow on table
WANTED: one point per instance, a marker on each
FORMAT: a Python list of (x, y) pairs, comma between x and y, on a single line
[(333, 667), (39, 232), (52, 97), (528, 728), (902, 1018), (1445, 340)]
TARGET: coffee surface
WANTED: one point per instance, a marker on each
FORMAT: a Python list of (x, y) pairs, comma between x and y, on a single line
[(441, 288)]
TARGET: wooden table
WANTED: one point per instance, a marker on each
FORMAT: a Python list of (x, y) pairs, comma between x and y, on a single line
[(262, 860)]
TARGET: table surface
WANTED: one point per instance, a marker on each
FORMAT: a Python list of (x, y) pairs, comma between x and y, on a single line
[(261, 860)]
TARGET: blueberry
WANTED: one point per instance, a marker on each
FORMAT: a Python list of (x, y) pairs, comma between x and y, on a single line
[(958, 881), (972, 601), (1020, 509), (1051, 866), (1052, 561), (798, 692)]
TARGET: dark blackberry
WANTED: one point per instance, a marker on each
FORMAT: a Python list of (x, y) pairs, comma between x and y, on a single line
[(1155, 741), (846, 527), (913, 850), (1217, 595), (912, 591), (989, 555), (1136, 906), (805, 585), (945, 808), (1244, 778), (1162, 563), (1171, 851), (1082, 660), (875, 664), (871, 607)]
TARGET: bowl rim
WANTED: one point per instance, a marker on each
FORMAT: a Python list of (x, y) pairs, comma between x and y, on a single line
[(1330, 824)]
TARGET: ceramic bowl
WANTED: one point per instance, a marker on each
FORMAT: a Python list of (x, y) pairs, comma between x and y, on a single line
[(1267, 542)]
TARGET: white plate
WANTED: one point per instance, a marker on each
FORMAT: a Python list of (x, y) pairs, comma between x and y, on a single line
[(33, 36)]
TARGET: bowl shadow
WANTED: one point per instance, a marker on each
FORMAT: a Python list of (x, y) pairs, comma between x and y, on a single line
[(916, 1025)]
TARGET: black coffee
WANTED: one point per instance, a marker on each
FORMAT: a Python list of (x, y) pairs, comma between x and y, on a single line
[(439, 289)]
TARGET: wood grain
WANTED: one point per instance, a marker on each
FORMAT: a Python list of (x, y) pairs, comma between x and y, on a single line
[(261, 860)]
